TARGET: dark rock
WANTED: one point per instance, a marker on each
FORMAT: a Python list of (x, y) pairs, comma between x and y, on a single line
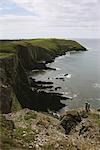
[(39, 84), (60, 78), (49, 61), (57, 88), (8, 124), (43, 82), (39, 101), (49, 101), (5, 99), (83, 114), (28, 61), (44, 87), (83, 130), (70, 121), (48, 68), (66, 74), (51, 90), (32, 82), (98, 109), (7, 79)]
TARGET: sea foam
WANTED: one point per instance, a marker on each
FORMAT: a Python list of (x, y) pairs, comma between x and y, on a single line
[(69, 76), (58, 68), (96, 85)]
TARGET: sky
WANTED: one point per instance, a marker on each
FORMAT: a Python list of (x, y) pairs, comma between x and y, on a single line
[(49, 18)]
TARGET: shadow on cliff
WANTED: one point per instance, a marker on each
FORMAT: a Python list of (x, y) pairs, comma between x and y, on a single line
[(25, 95)]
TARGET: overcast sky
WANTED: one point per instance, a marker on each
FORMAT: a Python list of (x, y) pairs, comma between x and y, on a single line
[(49, 18)]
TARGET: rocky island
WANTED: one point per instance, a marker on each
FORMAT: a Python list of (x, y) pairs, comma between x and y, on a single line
[(25, 122)]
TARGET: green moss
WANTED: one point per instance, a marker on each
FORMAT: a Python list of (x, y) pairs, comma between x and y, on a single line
[(10, 136), (30, 115), (15, 103), (49, 147), (25, 134), (7, 143), (6, 133), (4, 55), (95, 117)]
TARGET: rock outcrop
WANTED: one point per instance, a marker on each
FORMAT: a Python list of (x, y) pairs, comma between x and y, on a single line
[(70, 121)]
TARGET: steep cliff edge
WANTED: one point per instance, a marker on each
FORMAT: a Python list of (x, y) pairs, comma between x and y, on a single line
[(17, 58), (8, 74)]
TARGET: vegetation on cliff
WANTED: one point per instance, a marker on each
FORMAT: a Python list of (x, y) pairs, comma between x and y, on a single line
[(9, 46), (40, 49)]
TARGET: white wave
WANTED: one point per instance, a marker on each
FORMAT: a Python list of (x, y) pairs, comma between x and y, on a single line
[(75, 95), (68, 54), (88, 48), (65, 93), (60, 75), (61, 57), (58, 68), (69, 76), (98, 99), (63, 75), (55, 61), (96, 85), (69, 95)]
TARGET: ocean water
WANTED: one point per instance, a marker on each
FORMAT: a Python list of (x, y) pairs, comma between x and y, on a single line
[(82, 84)]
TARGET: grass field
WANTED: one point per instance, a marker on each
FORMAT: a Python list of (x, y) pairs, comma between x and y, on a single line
[(9, 46)]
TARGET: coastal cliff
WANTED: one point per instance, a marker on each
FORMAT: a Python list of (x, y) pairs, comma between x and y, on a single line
[(38, 126), (17, 59)]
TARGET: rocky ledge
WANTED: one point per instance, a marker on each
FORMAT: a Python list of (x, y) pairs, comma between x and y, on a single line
[(73, 130)]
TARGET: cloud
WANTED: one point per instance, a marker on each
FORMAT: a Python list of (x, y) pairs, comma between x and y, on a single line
[(52, 15), (56, 10)]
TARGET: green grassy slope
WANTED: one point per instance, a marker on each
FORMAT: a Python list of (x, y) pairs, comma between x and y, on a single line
[(9, 46), (54, 43)]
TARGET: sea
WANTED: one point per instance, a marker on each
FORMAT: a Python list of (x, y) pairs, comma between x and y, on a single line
[(82, 82)]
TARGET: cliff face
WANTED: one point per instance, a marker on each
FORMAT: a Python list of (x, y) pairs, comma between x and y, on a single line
[(19, 57), (8, 66)]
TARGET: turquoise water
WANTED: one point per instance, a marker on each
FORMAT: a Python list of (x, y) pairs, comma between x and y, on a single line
[(83, 81)]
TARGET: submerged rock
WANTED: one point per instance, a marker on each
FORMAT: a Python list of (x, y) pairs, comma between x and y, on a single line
[(57, 88), (60, 78), (66, 74)]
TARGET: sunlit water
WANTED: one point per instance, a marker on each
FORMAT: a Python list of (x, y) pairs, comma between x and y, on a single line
[(82, 84)]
